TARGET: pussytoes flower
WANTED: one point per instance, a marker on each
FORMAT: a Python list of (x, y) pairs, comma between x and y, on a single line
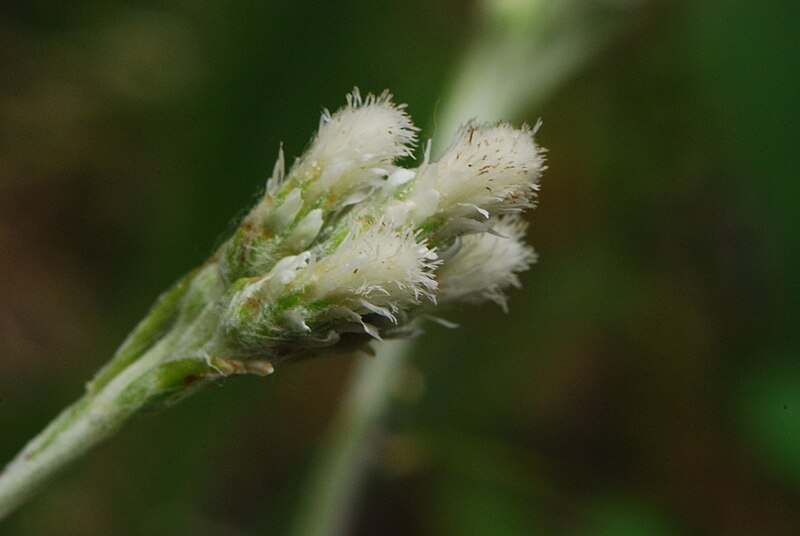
[(349, 245), (345, 247)]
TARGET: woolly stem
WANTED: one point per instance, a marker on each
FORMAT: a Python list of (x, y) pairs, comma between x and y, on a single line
[(87, 422), (151, 367)]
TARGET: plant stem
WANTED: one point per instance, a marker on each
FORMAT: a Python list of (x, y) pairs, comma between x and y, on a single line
[(152, 367), (87, 422)]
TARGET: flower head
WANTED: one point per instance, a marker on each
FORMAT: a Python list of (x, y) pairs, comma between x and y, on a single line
[(355, 147), (354, 150), (488, 170), (377, 267), (350, 244), (485, 264)]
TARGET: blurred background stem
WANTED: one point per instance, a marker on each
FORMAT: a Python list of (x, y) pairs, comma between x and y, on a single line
[(523, 51), (352, 441)]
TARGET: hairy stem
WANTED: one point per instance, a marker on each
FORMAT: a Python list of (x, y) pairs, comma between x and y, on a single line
[(90, 420), (151, 367)]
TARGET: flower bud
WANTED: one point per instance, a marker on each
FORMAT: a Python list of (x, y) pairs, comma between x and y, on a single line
[(353, 151), (355, 147), (316, 273), (486, 264), (375, 267), (486, 171)]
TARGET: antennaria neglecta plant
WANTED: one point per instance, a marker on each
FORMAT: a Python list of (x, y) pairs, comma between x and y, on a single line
[(344, 248)]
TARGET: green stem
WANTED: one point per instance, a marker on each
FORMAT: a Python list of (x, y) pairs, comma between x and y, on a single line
[(130, 383), (78, 428)]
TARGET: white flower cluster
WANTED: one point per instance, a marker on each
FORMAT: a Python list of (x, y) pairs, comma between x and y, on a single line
[(349, 245)]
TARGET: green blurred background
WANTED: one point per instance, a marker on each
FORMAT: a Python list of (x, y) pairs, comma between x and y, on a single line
[(645, 382)]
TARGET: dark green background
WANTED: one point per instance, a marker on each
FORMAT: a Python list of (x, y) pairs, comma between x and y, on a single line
[(646, 380)]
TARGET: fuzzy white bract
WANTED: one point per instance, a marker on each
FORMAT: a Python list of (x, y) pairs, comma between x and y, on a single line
[(348, 243)]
